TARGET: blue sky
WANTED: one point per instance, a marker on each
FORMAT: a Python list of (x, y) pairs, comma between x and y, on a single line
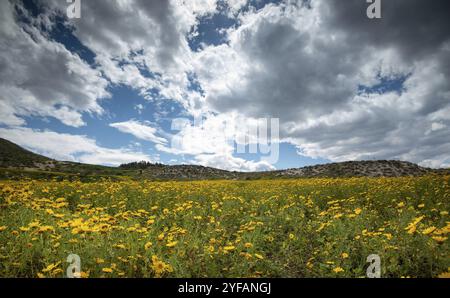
[(107, 87)]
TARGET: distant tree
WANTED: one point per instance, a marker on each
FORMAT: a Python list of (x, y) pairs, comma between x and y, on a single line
[(141, 165)]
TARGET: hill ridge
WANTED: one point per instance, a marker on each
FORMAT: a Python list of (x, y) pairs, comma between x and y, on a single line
[(12, 156)]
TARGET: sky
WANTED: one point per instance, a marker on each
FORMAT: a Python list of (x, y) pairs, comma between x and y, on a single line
[(245, 85)]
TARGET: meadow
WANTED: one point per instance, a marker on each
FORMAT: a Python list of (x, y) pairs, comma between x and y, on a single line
[(261, 228)]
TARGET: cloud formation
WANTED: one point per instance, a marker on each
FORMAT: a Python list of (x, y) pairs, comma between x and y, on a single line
[(306, 65), (39, 77), (212, 141), (68, 147), (150, 36), (140, 130)]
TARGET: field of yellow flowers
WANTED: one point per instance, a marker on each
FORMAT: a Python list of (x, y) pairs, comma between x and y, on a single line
[(272, 228)]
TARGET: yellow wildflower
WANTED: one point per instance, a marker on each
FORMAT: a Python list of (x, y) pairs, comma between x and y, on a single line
[(338, 269), (172, 244), (444, 275), (258, 256), (428, 230), (148, 245), (439, 239)]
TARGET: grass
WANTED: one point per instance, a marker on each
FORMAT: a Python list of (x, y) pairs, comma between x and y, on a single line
[(264, 228), (40, 175)]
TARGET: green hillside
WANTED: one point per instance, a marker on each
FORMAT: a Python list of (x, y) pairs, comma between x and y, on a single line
[(12, 155), (18, 163)]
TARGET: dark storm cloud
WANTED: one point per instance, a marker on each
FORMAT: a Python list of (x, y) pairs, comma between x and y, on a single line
[(416, 27), (291, 79), (295, 81)]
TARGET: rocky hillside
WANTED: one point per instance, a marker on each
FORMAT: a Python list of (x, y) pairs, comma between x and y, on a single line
[(378, 168), (13, 158)]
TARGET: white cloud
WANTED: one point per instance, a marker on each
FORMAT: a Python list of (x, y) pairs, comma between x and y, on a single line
[(151, 35), (212, 140), (113, 157), (236, 5), (140, 130), (8, 116), (139, 108), (231, 163), (40, 77), (69, 147)]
